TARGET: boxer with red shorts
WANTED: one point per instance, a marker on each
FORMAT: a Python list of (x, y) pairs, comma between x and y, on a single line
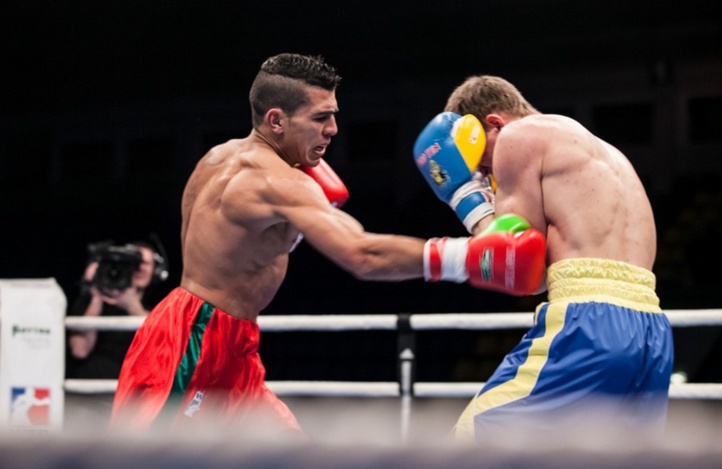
[(246, 205)]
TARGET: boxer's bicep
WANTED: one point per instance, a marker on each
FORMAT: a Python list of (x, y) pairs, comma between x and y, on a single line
[(518, 171)]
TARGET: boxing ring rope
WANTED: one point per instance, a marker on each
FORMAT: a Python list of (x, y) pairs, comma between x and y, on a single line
[(411, 322), (405, 324), (386, 388), (339, 322)]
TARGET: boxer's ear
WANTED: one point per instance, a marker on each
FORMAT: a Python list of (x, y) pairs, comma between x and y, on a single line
[(495, 121), (275, 119)]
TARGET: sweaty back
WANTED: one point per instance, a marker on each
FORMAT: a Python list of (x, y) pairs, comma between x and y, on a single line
[(594, 203)]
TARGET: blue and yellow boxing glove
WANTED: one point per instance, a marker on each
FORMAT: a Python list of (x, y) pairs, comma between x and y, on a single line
[(447, 152)]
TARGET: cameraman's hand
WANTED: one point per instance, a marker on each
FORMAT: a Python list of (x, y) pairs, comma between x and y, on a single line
[(129, 299), (89, 274), (95, 307)]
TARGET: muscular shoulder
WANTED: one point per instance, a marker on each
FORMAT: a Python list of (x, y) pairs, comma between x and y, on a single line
[(266, 188), (541, 129), (520, 143), (211, 174), (546, 137)]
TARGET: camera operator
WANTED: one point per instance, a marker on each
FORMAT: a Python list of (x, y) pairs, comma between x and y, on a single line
[(115, 283)]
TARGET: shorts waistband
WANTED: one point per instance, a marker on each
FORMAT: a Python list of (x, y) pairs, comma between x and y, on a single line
[(603, 280)]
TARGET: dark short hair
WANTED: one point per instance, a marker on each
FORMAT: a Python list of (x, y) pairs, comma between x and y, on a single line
[(282, 80)]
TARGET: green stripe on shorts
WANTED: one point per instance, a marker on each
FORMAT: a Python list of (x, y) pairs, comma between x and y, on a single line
[(187, 365)]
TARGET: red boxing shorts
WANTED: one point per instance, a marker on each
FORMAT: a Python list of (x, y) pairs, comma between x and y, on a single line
[(196, 364)]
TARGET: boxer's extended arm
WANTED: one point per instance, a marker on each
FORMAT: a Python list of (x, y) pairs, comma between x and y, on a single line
[(367, 256), (508, 256), (447, 153), (341, 238)]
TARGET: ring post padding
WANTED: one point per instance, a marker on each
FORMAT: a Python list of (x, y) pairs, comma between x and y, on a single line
[(406, 348), (32, 355)]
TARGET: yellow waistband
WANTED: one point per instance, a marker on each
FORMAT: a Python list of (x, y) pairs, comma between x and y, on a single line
[(587, 279)]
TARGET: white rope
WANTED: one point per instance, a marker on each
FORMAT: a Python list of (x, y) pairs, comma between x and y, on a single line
[(103, 323), (676, 391), (384, 389), (468, 321), (696, 391), (91, 386), (472, 321), (335, 388), (328, 322), (447, 389), (695, 317), (281, 388)]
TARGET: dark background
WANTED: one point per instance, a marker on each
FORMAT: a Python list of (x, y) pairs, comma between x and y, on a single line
[(105, 106)]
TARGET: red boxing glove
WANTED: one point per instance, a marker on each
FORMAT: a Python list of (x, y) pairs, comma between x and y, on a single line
[(507, 262), (332, 186), (508, 257)]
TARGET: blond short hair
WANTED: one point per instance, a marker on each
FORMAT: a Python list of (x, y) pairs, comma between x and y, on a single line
[(485, 94)]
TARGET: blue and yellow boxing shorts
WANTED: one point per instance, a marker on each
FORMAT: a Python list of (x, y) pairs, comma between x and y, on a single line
[(601, 337)]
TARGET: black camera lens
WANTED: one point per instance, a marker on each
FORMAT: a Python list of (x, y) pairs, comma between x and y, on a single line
[(116, 265)]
